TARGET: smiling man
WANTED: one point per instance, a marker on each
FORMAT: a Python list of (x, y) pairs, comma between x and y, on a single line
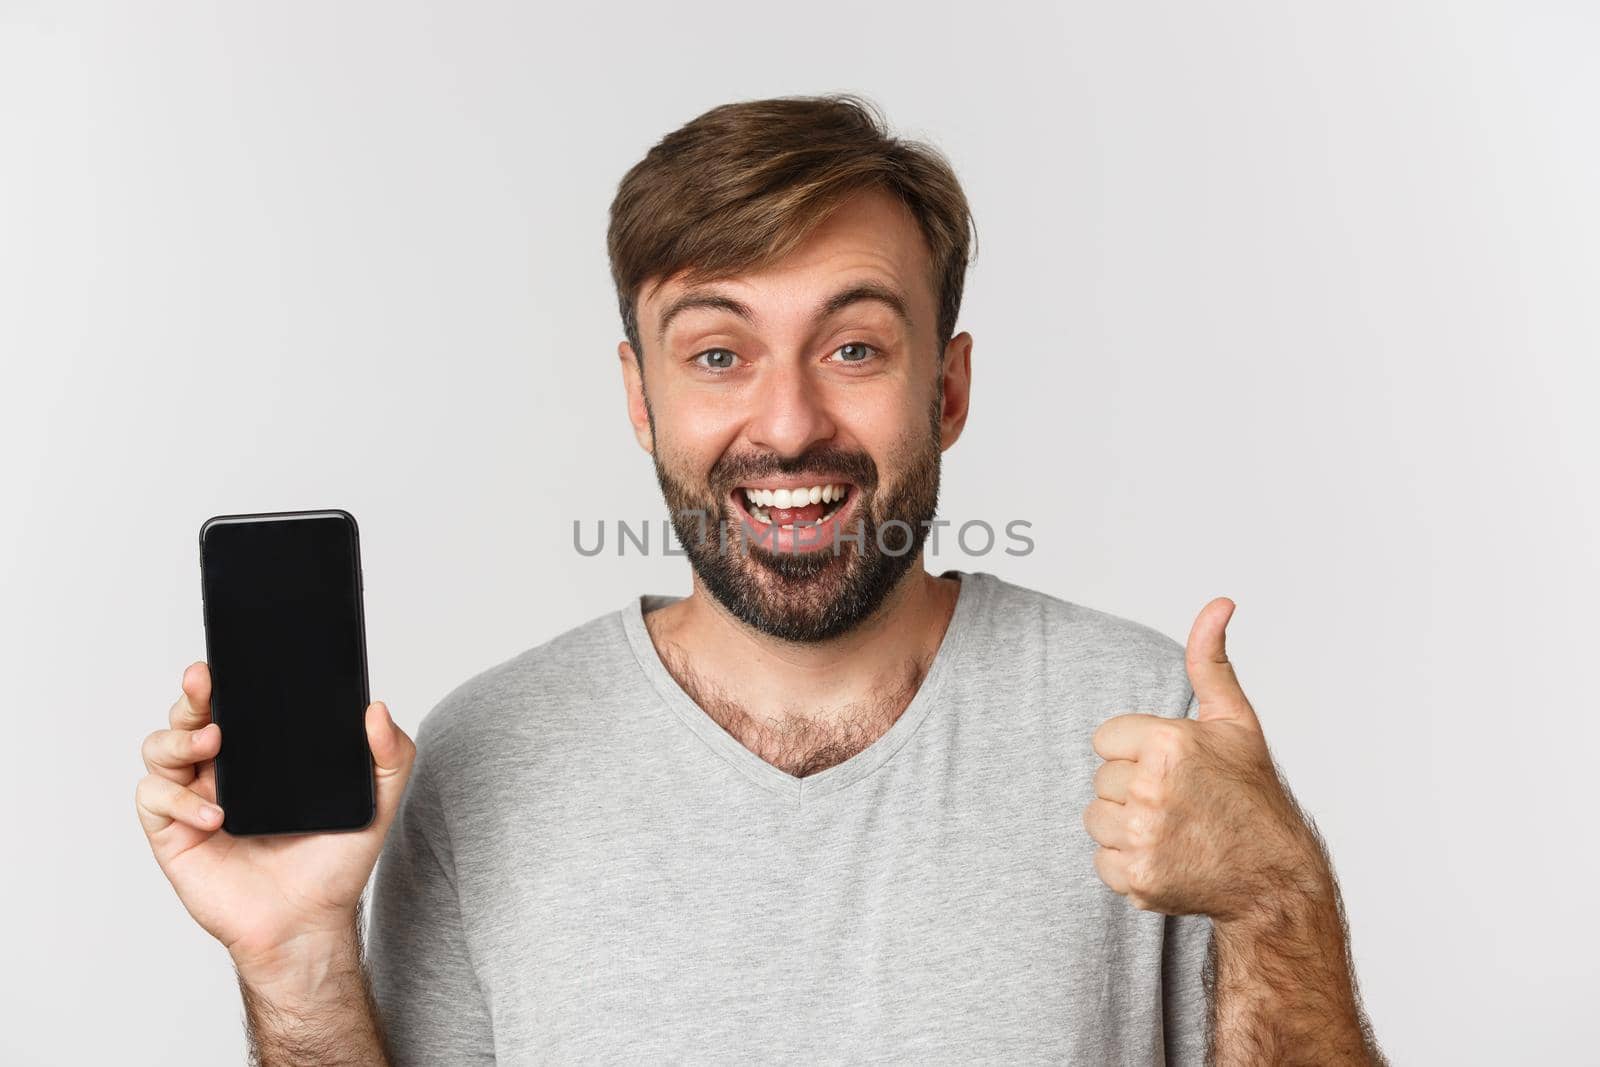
[(828, 806)]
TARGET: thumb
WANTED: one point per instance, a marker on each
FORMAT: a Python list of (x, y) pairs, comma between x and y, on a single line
[(392, 755), (1210, 672)]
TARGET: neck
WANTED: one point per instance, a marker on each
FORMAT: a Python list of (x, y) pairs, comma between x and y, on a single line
[(721, 660)]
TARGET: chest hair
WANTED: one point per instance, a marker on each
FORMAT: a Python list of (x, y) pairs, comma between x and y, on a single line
[(799, 740)]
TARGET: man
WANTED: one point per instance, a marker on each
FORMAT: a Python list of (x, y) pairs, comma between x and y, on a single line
[(827, 806)]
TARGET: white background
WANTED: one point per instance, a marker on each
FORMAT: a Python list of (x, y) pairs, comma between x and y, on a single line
[(1292, 303)]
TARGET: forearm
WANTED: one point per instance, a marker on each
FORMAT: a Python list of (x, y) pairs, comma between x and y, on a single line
[(1283, 988), (313, 1005)]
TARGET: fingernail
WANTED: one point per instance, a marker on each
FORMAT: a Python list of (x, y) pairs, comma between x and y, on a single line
[(211, 813)]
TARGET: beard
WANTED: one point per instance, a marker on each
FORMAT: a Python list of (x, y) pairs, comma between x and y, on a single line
[(807, 596)]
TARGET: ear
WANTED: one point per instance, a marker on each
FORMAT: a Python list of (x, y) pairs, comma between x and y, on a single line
[(633, 384), (957, 377)]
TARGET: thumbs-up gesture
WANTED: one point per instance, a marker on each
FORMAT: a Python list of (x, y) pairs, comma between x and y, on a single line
[(1191, 814)]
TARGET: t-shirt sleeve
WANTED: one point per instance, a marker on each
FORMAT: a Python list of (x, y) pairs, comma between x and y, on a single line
[(429, 1002), (1186, 1003)]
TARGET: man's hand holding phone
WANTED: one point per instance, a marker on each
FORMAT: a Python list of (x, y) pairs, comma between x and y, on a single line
[(285, 907)]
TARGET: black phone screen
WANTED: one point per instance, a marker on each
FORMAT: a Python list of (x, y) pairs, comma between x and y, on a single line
[(286, 645)]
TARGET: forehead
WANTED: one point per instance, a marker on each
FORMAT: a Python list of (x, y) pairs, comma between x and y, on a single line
[(870, 238)]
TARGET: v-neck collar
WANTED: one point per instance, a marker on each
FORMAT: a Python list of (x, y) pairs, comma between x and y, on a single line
[(800, 790)]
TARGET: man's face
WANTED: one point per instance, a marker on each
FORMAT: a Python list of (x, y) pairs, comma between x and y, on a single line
[(822, 388)]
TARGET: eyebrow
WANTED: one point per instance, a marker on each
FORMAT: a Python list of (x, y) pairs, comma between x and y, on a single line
[(875, 292)]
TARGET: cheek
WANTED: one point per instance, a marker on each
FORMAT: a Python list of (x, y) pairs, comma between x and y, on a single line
[(696, 408), (691, 438), (897, 439), (883, 420)]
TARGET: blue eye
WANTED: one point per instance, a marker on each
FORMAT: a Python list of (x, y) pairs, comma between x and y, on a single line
[(716, 359), (860, 354)]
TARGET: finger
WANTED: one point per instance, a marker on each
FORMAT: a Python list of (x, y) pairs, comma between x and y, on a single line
[(1111, 780), (1106, 823), (162, 801), (205, 783), (393, 753), (1112, 866), (173, 754), (193, 708), (1210, 672), (1126, 736)]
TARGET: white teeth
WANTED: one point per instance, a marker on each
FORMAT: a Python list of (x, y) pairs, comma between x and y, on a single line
[(795, 498)]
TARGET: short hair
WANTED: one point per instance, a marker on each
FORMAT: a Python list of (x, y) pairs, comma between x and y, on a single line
[(740, 186)]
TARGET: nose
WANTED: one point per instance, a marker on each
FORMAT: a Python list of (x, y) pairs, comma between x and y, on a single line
[(790, 413)]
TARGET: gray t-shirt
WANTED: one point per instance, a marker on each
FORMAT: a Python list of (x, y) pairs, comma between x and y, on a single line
[(587, 868)]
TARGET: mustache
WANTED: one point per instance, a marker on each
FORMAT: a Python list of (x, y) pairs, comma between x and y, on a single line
[(734, 470)]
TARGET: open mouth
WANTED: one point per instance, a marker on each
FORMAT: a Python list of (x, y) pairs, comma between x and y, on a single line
[(793, 505), (795, 517)]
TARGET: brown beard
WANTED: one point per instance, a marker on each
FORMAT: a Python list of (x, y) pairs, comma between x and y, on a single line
[(813, 596)]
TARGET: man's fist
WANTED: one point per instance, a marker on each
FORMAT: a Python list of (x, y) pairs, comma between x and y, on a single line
[(1191, 815)]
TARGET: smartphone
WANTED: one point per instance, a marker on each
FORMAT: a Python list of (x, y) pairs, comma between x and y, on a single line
[(286, 643)]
